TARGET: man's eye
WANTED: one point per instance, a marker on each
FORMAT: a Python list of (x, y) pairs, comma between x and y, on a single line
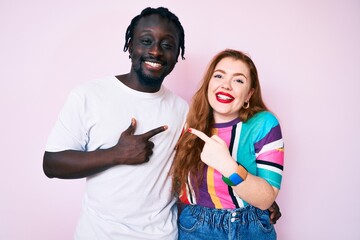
[(146, 41), (167, 45)]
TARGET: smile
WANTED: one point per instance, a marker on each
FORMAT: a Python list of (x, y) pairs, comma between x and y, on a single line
[(153, 64), (224, 97)]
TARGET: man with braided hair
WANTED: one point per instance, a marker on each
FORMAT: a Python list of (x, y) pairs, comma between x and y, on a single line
[(127, 186)]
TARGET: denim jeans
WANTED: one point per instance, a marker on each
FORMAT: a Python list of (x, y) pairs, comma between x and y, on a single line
[(196, 222)]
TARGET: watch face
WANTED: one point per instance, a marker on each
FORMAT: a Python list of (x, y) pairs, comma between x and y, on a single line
[(235, 179)]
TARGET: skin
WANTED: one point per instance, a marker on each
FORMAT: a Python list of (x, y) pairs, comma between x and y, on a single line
[(275, 213), (229, 89), (154, 50)]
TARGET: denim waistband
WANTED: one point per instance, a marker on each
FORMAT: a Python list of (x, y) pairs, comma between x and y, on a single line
[(223, 216)]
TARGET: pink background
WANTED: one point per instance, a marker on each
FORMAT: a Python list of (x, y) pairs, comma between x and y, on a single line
[(308, 57)]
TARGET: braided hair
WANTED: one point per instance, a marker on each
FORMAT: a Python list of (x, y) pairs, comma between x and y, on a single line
[(163, 12)]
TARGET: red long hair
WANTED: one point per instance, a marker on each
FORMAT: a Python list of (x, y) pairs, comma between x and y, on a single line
[(187, 158)]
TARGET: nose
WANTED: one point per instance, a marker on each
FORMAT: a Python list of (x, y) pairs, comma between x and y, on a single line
[(155, 49), (226, 85)]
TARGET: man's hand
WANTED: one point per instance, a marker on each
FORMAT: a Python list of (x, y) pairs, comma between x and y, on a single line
[(275, 213), (130, 149), (135, 149)]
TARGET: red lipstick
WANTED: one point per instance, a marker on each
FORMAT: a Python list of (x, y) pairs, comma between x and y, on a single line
[(224, 97)]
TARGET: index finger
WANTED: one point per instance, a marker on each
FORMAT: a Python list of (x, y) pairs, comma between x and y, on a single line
[(198, 133), (154, 131)]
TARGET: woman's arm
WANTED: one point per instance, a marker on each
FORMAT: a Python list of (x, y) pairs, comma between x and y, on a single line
[(254, 190)]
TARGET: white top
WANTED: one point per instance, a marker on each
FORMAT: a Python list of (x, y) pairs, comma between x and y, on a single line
[(125, 201)]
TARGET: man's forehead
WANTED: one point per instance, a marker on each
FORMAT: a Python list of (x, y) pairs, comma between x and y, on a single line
[(155, 22)]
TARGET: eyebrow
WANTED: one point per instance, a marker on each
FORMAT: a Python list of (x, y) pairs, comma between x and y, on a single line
[(236, 74), (151, 32)]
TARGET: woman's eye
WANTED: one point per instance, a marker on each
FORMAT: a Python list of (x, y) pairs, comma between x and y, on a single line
[(239, 81), (217, 76)]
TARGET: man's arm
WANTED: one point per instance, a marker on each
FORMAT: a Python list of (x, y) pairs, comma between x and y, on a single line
[(72, 164), (131, 149)]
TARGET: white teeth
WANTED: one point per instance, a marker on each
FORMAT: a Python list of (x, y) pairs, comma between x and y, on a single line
[(222, 97), (153, 64)]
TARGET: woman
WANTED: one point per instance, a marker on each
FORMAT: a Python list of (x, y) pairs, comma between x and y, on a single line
[(227, 181)]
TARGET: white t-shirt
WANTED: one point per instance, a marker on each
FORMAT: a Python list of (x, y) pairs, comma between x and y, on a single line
[(125, 201)]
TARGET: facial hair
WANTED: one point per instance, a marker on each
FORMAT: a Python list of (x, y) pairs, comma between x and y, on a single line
[(147, 80)]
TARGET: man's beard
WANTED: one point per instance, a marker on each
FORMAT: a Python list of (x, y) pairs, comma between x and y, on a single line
[(148, 80)]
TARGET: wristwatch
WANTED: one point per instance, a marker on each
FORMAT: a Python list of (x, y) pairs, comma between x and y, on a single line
[(237, 177)]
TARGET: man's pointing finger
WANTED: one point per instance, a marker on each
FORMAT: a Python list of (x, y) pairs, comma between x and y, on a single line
[(155, 131)]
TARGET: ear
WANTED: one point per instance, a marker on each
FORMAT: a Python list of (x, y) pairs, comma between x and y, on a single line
[(130, 47), (251, 92)]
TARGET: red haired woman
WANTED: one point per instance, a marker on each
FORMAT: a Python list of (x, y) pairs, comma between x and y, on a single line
[(228, 167)]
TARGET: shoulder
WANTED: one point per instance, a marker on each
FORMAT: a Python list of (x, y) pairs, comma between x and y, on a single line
[(261, 124), (264, 117)]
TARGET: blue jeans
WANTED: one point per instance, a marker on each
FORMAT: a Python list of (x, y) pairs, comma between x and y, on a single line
[(196, 222)]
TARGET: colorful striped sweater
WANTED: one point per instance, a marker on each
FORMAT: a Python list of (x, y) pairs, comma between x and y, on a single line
[(257, 145)]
